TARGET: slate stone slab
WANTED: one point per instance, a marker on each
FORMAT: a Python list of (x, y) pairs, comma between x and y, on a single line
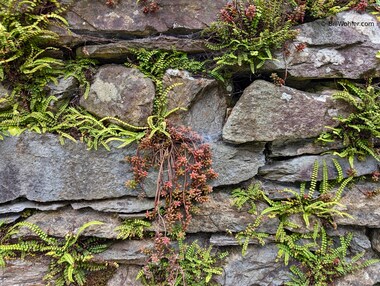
[(335, 49), (118, 91), (266, 112), (300, 169), (38, 168)]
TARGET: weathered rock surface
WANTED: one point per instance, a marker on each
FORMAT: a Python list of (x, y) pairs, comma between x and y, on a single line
[(360, 204), (66, 87), (124, 205), (19, 206), (369, 276), (266, 112), (37, 167), (24, 272), (339, 47), (120, 50), (125, 275), (121, 92), (59, 223), (228, 240), (375, 240), (299, 169), (291, 148), (236, 164), (126, 18), (218, 215), (9, 218), (127, 251), (257, 268), (204, 100)]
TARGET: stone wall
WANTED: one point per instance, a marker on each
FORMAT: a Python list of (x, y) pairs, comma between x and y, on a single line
[(265, 134)]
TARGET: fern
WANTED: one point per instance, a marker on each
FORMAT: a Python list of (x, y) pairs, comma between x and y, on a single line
[(359, 130), (190, 265), (325, 263), (71, 258), (246, 32), (132, 228)]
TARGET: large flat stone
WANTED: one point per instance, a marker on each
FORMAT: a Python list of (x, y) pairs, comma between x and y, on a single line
[(127, 17), (121, 49), (300, 169), (266, 112), (20, 206), (39, 168), (334, 48), (121, 206), (59, 223), (118, 91), (291, 148)]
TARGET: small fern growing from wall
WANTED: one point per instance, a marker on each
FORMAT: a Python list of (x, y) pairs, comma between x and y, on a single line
[(246, 33), (321, 262), (71, 258), (361, 128), (190, 265), (132, 228)]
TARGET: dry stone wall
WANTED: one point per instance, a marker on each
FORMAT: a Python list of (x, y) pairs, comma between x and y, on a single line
[(268, 136)]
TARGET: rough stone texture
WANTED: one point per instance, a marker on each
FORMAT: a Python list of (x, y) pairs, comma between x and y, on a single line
[(17, 207), (266, 112), (128, 251), (66, 87), (120, 50), (291, 148), (364, 208), (37, 167), (204, 100), (369, 276), (9, 218), (334, 51), (218, 215), (127, 17), (300, 168), (375, 240), (124, 205), (228, 240), (24, 272), (121, 92), (125, 275), (59, 223), (236, 164), (256, 268)]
